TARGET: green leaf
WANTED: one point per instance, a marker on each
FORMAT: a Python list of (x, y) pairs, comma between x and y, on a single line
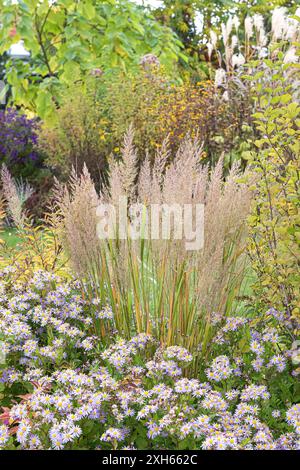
[(42, 103), (71, 71), (89, 11)]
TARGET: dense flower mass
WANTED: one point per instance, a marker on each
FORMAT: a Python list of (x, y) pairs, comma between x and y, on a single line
[(63, 388), (18, 138)]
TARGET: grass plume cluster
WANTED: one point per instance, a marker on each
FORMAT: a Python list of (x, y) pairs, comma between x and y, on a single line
[(156, 286)]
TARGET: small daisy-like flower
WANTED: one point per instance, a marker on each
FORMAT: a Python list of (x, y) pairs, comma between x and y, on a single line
[(220, 369), (105, 314), (179, 353), (154, 431), (278, 361), (4, 434), (232, 394), (293, 417), (257, 364), (254, 392), (113, 434), (276, 414), (256, 347)]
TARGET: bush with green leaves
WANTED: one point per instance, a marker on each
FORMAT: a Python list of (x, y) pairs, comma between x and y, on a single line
[(78, 136), (275, 220), (67, 40), (159, 109), (95, 114)]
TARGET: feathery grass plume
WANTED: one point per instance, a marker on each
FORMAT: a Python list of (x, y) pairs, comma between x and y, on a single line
[(145, 189), (123, 174), (157, 286), (128, 167), (150, 178), (2, 215), (115, 188), (16, 194), (226, 205), (161, 160), (179, 178), (77, 204)]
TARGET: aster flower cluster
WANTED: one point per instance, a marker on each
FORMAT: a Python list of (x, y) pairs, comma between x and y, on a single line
[(64, 389), (220, 369), (46, 321), (266, 348), (18, 138)]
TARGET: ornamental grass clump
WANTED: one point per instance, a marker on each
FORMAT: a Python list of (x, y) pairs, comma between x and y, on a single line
[(157, 286), (16, 194)]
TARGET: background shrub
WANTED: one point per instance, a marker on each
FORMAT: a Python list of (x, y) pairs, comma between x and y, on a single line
[(78, 135), (91, 123), (275, 219), (20, 154)]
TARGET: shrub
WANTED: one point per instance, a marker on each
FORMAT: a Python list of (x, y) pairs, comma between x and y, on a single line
[(127, 32), (77, 136), (62, 388), (275, 220), (159, 109), (135, 100), (201, 111), (19, 152), (94, 116)]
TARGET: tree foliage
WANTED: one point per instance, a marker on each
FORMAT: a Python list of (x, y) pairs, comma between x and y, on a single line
[(68, 39)]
